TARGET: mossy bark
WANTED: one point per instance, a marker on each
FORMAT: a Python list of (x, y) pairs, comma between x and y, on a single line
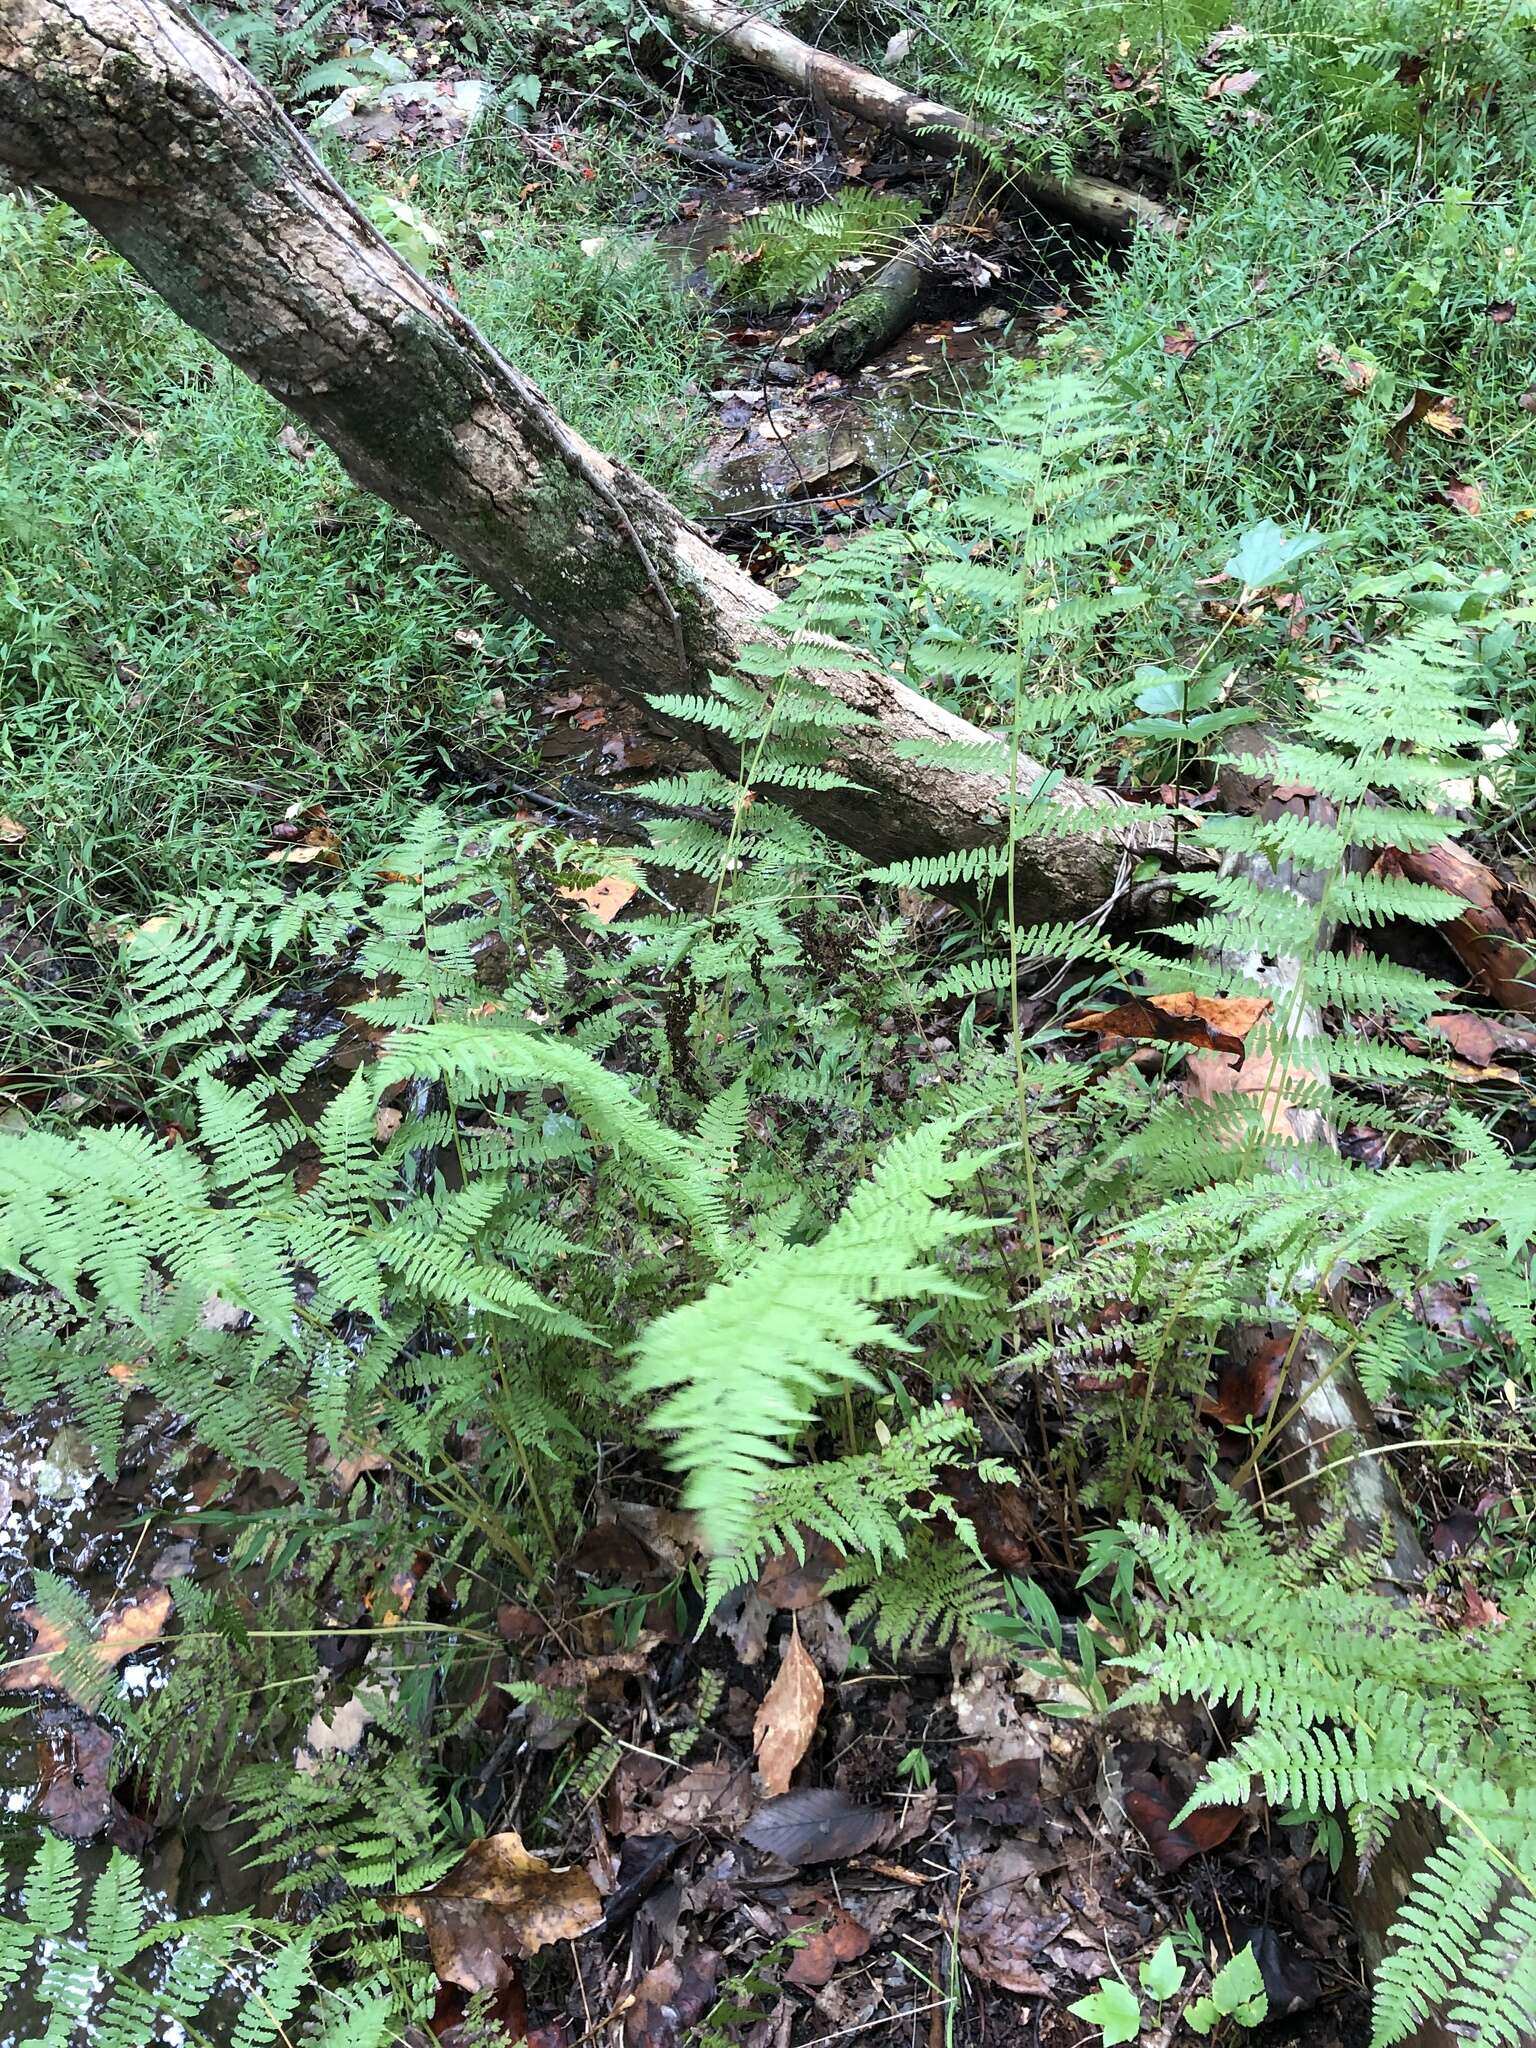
[(127, 110), (866, 322)]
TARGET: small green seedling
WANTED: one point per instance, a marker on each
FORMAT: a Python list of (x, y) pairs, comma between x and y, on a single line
[(915, 1765), (1116, 2010), (1237, 1994)]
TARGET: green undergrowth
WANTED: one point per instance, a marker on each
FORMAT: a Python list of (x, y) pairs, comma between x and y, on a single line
[(790, 1200), (204, 624)]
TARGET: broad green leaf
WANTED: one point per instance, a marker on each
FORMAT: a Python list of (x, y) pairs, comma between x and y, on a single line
[(1238, 1986), (1162, 1974), (1114, 2009), (1265, 555)]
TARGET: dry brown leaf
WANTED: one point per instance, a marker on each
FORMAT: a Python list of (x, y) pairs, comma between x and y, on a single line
[(11, 833), (817, 1824), (786, 1721), (604, 899), (1219, 1023), (1355, 375), (1233, 86), (499, 1902), (133, 1626), (319, 843), (1477, 1039), (1492, 937), (1462, 495), (793, 1583), (1259, 1076), (842, 1940), (719, 1794), (1152, 1805), (1181, 341)]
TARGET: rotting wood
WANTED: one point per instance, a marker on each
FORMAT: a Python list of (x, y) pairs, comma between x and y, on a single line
[(140, 120), (1097, 204), (872, 317)]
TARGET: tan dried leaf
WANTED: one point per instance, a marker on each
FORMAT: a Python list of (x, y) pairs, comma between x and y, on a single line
[(133, 1626), (787, 1719), (11, 833), (499, 1902), (604, 899)]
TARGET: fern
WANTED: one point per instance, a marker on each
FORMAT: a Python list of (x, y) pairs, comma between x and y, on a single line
[(784, 252), (1362, 1706), (119, 1979), (742, 1367)]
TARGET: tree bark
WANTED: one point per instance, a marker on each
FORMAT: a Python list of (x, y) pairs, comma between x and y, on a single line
[(127, 110), (871, 318), (1093, 203)]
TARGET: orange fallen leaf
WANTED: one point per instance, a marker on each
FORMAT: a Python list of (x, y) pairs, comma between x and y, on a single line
[(1219, 1023), (1434, 409), (318, 844), (1260, 1077), (48, 1667), (842, 1940), (499, 1902), (787, 1719), (604, 899)]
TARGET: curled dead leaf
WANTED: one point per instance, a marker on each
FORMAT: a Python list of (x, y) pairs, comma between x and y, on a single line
[(786, 1721), (498, 1903), (1219, 1023)]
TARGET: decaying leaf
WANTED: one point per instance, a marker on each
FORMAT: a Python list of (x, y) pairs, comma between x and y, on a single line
[(603, 899), (1219, 1023), (1492, 937), (1004, 1792), (499, 1902), (1000, 1934), (1478, 1039), (719, 1795), (1180, 341), (818, 1824), (1462, 495), (842, 1940), (786, 1721), (75, 1776), (132, 1626), (669, 2001), (1152, 1806), (793, 1583)]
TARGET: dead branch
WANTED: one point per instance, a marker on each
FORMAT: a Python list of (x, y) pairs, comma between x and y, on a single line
[(1097, 204)]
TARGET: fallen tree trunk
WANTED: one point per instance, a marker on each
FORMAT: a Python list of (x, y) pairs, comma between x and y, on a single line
[(184, 163), (871, 318), (1093, 203)]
